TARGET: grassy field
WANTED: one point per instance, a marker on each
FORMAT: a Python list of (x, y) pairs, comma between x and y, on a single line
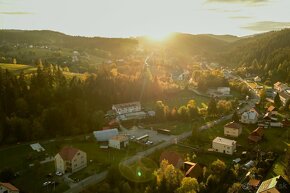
[(27, 69), (31, 178), (17, 68)]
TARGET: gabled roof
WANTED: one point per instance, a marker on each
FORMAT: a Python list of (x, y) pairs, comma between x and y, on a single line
[(258, 132), (172, 157), (271, 108), (256, 135), (195, 168), (9, 186), (233, 125), (126, 105), (276, 184), (68, 153)]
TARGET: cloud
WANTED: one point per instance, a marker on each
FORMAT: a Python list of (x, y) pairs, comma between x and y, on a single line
[(267, 26), (238, 1), (240, 17), (14, 13)]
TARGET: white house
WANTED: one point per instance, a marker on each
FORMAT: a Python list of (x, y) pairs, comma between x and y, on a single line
[(8, 188), (284, 96), (119, 141), (224, 90), (257, 79), (224, 145), (279, 86), (250, 117), (70, 159), (127, 107), (232, 129)]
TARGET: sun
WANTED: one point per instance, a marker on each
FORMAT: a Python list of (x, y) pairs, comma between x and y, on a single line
[(159, 36)]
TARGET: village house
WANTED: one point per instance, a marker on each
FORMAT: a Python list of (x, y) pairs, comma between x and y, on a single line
[(127, 108), (284, 96), (279, 86), (172, 157), (232, 129), (250, 117), (256, 135), (257, 79), (224, 90), (276, 185), (119, 141), (272, 110), (224, 145), (70, 159), (193, 170), (8, 188)]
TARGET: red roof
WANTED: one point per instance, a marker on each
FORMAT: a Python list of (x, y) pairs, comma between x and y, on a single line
[(67, 153), (172, 157), (256, 135), (9, 186)]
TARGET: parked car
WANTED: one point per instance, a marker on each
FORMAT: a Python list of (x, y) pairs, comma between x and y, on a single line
[(58, 173)]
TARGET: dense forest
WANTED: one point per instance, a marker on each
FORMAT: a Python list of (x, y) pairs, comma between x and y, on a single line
[(47, 102), (267, 55)]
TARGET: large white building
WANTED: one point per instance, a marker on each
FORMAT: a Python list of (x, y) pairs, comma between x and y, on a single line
[(127, 108), (8, 188), (250, 117), (119, 141), (70, 159), (105, 135), (224, 145), (232, 129)]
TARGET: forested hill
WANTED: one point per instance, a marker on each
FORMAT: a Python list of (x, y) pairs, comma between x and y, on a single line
[(267, 54), (45, 37), (55, 47)]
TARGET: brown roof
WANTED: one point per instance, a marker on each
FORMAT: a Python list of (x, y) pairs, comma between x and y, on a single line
[(271, 108), (256, 135), (258, 132), (9, 186), (195, 170), (67, 153), (254, 182), (233, 125), (172, 157)]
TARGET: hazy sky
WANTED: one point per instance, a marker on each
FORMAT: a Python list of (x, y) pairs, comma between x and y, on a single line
[(123, 18)]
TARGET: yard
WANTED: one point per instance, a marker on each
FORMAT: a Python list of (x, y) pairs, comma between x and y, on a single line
[(179, 99), (32, 178)]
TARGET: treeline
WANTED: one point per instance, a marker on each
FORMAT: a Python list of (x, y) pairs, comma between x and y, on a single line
[(266, 54), (48, 104)]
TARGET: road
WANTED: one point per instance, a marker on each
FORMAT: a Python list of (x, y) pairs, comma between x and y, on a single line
[(172, 140)]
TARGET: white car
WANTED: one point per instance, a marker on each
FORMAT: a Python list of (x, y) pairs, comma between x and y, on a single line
[(46, 183), (58, 173)]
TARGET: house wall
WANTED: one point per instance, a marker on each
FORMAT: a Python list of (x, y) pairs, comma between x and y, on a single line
[(222, 148), (232, 132), (245, 119), (114, 144), (79, 161), (129, 109), (60, 165)]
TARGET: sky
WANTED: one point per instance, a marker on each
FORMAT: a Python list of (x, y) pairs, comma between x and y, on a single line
[(156, 18)]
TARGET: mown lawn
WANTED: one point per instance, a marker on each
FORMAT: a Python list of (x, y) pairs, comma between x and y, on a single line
[(17, 68)]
